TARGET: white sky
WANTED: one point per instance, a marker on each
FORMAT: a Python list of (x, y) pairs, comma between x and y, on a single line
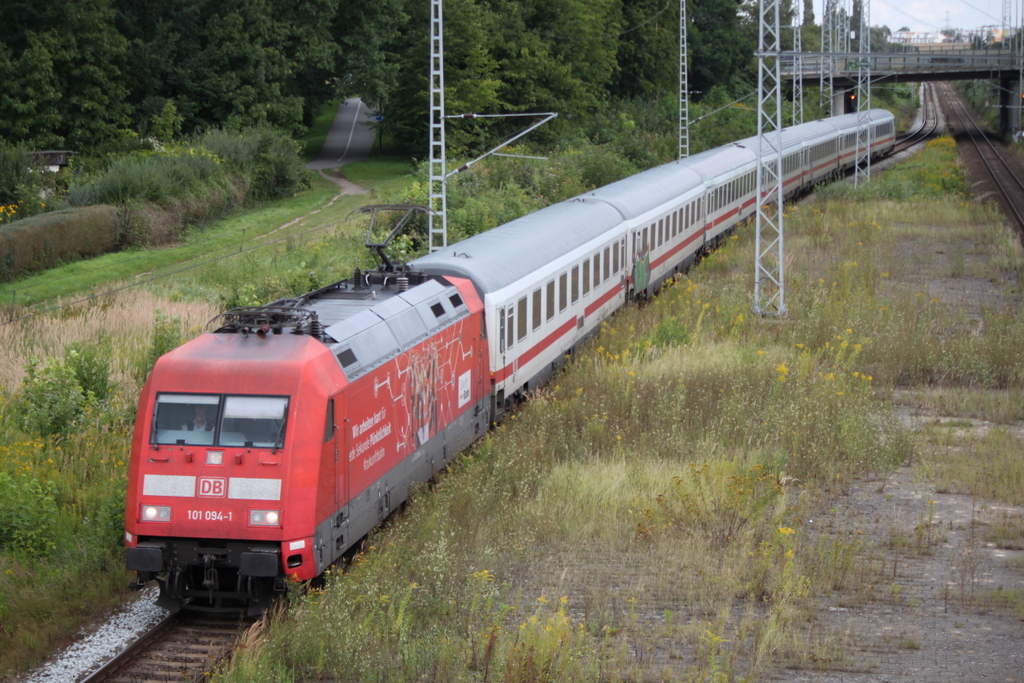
[(931, 15)]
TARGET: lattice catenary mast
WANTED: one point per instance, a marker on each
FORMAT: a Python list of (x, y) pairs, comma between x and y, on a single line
[(828, 45), (684, 86), (769, 284), (438, 190), (862, 172), (798, 68)]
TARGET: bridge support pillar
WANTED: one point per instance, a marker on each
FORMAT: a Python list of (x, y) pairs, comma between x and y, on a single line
[(1009, 105), (840, 98)]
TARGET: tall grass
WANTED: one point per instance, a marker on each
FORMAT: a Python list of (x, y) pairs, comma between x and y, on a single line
[(63, 496)]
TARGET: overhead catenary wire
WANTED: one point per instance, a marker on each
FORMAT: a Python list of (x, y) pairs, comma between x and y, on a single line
[(724, 107), (646, 21), (929, 24)]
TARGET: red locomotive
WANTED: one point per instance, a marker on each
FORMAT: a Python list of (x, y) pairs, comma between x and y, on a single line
[(267, 448)]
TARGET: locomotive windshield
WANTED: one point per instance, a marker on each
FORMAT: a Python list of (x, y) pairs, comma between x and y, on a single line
[(213, 420)]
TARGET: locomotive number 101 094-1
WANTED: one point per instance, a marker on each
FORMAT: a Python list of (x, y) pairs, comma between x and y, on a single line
[(208, 516)]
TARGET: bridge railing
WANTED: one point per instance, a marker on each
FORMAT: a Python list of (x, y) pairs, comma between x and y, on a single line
[(847, 64)]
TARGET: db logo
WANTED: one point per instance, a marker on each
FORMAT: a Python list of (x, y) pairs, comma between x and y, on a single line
[(213, 487)]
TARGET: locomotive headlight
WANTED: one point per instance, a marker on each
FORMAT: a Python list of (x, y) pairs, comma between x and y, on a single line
[(264, 517), (156, 513)]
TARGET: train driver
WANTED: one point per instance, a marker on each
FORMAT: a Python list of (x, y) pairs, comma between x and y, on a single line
[(199, 423)]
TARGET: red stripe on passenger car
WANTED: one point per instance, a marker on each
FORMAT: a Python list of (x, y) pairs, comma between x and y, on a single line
[(676, 249), (535, 350), (605, 298)]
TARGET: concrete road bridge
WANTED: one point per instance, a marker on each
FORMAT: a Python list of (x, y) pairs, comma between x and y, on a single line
[(913, 67)]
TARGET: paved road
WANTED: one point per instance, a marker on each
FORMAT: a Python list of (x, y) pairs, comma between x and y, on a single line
[(350, 138)]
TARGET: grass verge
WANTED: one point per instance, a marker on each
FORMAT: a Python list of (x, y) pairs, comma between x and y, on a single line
[(309, 215)]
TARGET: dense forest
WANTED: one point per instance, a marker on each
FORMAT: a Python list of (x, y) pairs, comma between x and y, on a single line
[(94, 75)]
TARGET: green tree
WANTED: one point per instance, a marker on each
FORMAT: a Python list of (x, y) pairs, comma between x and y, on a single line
[(312, 50), (371, 36), (648, 49), (72, 88), (30, 97), (808, 18), (471, 83), (722, 47), (166, 125), (236, 62), (558, 54)]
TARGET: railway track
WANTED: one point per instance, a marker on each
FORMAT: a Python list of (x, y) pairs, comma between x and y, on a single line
[(183, 647), (1003, 174), (928, 125)]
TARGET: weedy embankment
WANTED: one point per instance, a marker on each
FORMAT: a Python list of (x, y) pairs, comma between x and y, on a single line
[(69, 383), (649, 514)]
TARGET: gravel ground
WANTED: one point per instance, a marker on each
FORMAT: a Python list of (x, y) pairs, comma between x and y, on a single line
[(94, 648), (923, 621)]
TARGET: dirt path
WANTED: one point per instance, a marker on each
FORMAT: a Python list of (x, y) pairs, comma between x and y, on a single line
[(345, 185)]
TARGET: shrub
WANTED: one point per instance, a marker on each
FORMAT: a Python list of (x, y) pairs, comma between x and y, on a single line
[(28, 514), (90, 364), (166, 337), (14, 173), (48, 240), (266, 157), (50, 398), (150, 177)]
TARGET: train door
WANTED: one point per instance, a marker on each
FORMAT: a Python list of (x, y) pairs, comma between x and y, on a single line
[(506, 327), (641, 261), (334, 468), (330, 455), (501, 335)]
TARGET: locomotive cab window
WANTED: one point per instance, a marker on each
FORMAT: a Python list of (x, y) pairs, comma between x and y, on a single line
[(188, 419), (205, 420), (253, 421)]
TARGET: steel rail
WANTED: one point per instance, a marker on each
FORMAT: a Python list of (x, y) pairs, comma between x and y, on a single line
[(181, 647), (928, 125), (140, 644), (974, 132)]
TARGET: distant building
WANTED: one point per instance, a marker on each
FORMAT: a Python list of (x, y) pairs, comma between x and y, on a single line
[(52, 159), (917, 37)]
